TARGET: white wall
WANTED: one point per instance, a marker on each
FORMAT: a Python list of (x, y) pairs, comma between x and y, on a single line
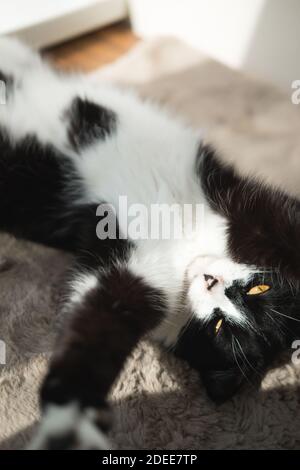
[(259, 36), (44, 22)]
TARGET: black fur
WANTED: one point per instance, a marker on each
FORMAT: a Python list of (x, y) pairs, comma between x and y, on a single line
[(92, 252), (263, 223), (219, 373), (61, 442), (34, 179), (88, 122)]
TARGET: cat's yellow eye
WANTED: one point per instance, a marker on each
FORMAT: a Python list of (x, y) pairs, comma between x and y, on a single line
[(218, 326), (260, 289)]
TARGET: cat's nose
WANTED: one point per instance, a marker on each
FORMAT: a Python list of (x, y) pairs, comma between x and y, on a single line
[(211, 281)]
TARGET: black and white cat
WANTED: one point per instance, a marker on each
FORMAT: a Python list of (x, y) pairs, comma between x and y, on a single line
[(225, 296)]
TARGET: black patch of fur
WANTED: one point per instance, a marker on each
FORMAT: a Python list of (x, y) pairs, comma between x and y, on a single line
[(104, 329), (263, 223), (36, 201), (89, 122), (93, 253), (221, 377), (62, 441)]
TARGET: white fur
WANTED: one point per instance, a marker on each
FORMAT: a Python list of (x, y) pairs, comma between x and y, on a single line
[(16, 57), (81, 285)]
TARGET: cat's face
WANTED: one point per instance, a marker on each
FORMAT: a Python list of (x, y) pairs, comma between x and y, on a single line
[(241, 318)]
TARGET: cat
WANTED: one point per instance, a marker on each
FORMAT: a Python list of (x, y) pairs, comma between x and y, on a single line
[(225, 297)]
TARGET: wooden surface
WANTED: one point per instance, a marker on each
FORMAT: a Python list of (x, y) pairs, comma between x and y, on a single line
[(94, 49)]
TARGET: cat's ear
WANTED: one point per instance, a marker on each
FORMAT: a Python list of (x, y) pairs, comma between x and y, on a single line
[(222, 384)]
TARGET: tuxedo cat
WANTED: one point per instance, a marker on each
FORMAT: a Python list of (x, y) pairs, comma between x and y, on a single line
[(225, 297)]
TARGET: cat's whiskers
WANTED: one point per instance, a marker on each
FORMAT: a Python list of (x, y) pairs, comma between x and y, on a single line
[(237, 362), (184, 328), (284, 315), (254, 329), (246, 359), (276, 322)]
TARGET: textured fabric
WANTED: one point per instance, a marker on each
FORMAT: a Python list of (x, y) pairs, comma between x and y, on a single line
[(159, 402)]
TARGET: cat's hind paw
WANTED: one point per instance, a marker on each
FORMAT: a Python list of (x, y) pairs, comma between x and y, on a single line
[(71, 427)]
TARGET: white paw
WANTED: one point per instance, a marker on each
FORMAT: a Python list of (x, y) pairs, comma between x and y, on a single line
[(70, 427)]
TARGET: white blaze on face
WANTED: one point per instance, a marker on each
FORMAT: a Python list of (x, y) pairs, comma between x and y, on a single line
[(208, 278)]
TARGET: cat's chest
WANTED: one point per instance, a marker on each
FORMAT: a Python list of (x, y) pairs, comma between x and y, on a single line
[(145, 172)]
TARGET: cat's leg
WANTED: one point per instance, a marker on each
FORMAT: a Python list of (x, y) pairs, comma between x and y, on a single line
[(108, 311)]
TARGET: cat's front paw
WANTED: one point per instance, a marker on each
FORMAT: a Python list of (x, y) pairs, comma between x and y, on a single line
[(71, 427)]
